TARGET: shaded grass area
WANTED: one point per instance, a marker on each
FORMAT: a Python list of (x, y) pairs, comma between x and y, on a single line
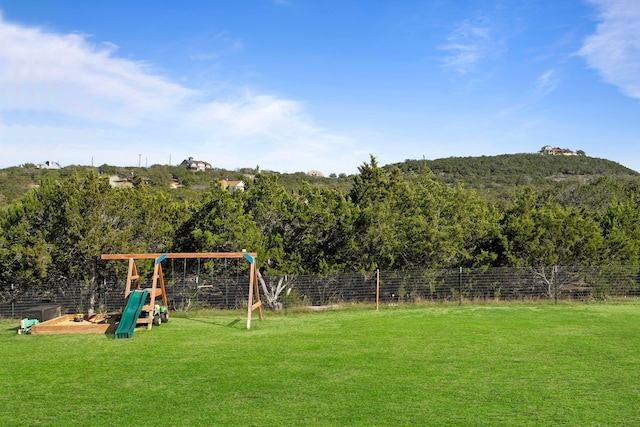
[(432, 365)]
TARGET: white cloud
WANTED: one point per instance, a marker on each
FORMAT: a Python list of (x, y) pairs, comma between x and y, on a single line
[(614, 49), (546, 83), (68, 75), (467, 45), (70, 100), (250, 115)]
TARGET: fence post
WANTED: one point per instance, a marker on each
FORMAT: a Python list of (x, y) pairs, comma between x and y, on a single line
[(13, 306), (555, 283), (377, 289), (460, 287)]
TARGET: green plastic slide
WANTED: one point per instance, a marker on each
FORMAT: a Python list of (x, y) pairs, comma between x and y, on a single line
[(131, 313)]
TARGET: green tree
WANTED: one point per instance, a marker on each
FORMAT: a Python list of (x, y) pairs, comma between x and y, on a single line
[(419, 223), (621, 231), (271, 207), (324, 225), (379, 202), (446, 227), (545, 234), (25, 255), (220, 224)]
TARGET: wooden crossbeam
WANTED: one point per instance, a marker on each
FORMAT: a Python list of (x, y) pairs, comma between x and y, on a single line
[(187, 255)]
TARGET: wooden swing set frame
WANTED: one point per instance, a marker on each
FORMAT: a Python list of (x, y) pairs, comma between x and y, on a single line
[(158, 291)]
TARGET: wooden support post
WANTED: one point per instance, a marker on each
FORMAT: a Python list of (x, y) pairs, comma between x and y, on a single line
[(256, 289), (253, 289), (163, 291), (250, 300), (132, 276)]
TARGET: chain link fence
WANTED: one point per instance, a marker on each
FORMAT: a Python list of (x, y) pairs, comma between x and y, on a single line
[(195, 289)]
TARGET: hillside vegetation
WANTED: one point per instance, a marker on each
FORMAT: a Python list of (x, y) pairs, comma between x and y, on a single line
[(499, 178), (55, 224), (494, 177), (518, 169), (177, 181)]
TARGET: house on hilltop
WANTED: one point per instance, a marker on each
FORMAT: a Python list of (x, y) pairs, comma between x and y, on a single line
[(556, 151), (195, 165)]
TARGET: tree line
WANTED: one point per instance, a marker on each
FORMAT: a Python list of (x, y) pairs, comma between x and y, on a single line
[(388, 220)]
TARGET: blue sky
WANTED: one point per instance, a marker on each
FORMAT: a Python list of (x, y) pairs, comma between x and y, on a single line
[(299, 85)]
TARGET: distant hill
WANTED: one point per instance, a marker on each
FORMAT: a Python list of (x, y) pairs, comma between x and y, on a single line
[(518, 169), (572, 180), (497, 178)]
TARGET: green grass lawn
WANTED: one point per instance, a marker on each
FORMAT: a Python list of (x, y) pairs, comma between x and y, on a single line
[(434, 365)]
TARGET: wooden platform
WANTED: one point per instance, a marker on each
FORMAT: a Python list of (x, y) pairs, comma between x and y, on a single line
[(97, 324)]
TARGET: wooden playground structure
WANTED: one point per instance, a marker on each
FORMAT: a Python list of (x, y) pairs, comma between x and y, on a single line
[(148, 297), (157, 292)]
